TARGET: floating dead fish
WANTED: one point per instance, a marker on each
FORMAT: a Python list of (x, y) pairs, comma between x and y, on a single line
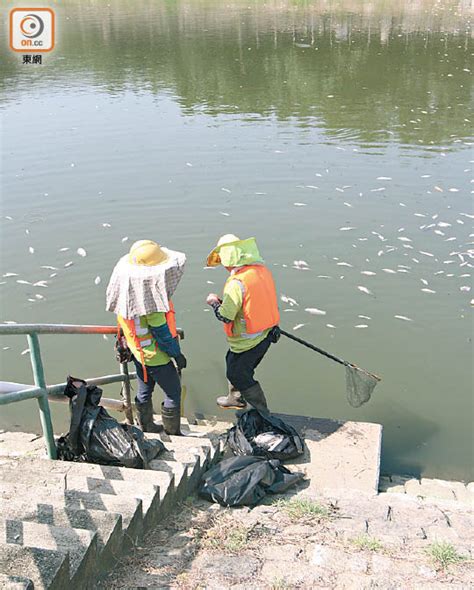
[(438, 188), (298, 326), (384, 178), (31, 250), (368, 273), (315, 311), (377, 190), (6, 348), (453, 190), (311, 186), (364, 290), (323, 277), (439, 232), (330, 326), (424, 281), (23, 282), (389, 271), (224, 213), (125, 239), (404, 239), (81, 252), (300, 204), (346, 228), (289, 300), (465, 288), (68, 264), (403, 317), (425, 253), (443, 224), (26, 351), (9, 274), (361, 326), (419, 215), (189, 164), (428, 291), (344, 264), (39, 296), (106, 225), (97, 280), (65, 249), (347, 204), (364, 317), (226, 190), (49, 267)]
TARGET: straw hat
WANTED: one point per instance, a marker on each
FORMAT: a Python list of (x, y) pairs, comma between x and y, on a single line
[(213, 258), (144, 280), (147, 253)]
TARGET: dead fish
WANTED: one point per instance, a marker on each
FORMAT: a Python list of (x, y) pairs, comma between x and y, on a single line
[(361, 326), (346, 228), (347, 204), (300, 204), (368, 273), (315, 311), (97, 280), (224, 214), (465, 288), (81, 252), (334, 327), (40, 284), (64, 249), (364, 317), (438, 188), (384, 178), (323, 277), (49, 267), (443, 224), (68, 264), (311, 186), (364, 290), (425, 253), (31, 250), (289, 300), (298, 326), (39, 296), (404, 239), (424, 281), (344, 264), (9, 274), (428, 291), (125, 239), (26, 351), (377, 190), (419, 215), (226, 190), (403, 317), (389, 271)]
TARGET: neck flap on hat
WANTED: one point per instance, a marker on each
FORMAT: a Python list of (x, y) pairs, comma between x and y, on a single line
[(136, 290), (240, 253)]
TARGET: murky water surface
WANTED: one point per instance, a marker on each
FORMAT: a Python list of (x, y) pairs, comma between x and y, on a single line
[(337, 134)]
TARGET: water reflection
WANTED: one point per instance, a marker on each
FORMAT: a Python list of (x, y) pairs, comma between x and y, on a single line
[(363, 71)]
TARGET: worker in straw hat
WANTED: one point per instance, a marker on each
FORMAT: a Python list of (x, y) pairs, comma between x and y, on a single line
[(139, 292), (250, 316)]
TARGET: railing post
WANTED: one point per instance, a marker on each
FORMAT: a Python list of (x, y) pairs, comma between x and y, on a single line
[(45, 414), (126, 393)]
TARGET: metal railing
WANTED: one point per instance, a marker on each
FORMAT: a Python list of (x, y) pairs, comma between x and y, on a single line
[(43, 392)]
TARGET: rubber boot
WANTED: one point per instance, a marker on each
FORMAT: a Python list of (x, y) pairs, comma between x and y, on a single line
[(171, 418), (232, 401), (145, 417), (255, 397)]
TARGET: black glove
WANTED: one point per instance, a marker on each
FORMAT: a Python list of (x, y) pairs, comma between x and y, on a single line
[(181, 362), (275, 334)]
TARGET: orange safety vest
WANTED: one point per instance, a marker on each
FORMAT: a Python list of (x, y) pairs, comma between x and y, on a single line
[(260, 304), (129, 330)]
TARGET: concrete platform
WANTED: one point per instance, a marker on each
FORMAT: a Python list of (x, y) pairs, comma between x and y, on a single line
[(338, 455)]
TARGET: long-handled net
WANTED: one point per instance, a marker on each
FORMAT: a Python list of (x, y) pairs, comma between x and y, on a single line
[(359, 383)]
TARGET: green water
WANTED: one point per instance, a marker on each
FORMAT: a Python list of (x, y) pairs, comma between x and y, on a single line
[(182, 121)]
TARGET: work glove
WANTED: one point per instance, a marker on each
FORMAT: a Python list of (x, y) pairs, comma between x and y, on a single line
[(181, 362), (275, 334)]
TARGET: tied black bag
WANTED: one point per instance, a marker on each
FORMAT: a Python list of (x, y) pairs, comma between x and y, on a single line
[(97, 437), (244, 481), (264, 436)]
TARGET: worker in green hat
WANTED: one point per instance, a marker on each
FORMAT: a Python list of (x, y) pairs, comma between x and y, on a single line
[(250, 316)]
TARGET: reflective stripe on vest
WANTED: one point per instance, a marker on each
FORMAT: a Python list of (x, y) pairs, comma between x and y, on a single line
[(141, 336), (260, 304)]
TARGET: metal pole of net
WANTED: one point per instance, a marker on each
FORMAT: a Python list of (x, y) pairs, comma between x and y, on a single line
[(359, 383)]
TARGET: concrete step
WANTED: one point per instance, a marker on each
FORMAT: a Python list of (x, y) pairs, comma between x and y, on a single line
[(79, 544), (148, 493), (47, 569), (106, 525), (15, 583), (338, 455), (130, 509)]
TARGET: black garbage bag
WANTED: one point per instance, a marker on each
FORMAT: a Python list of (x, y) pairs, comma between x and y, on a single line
[(264, 435), (97, 437), (244, 481)]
